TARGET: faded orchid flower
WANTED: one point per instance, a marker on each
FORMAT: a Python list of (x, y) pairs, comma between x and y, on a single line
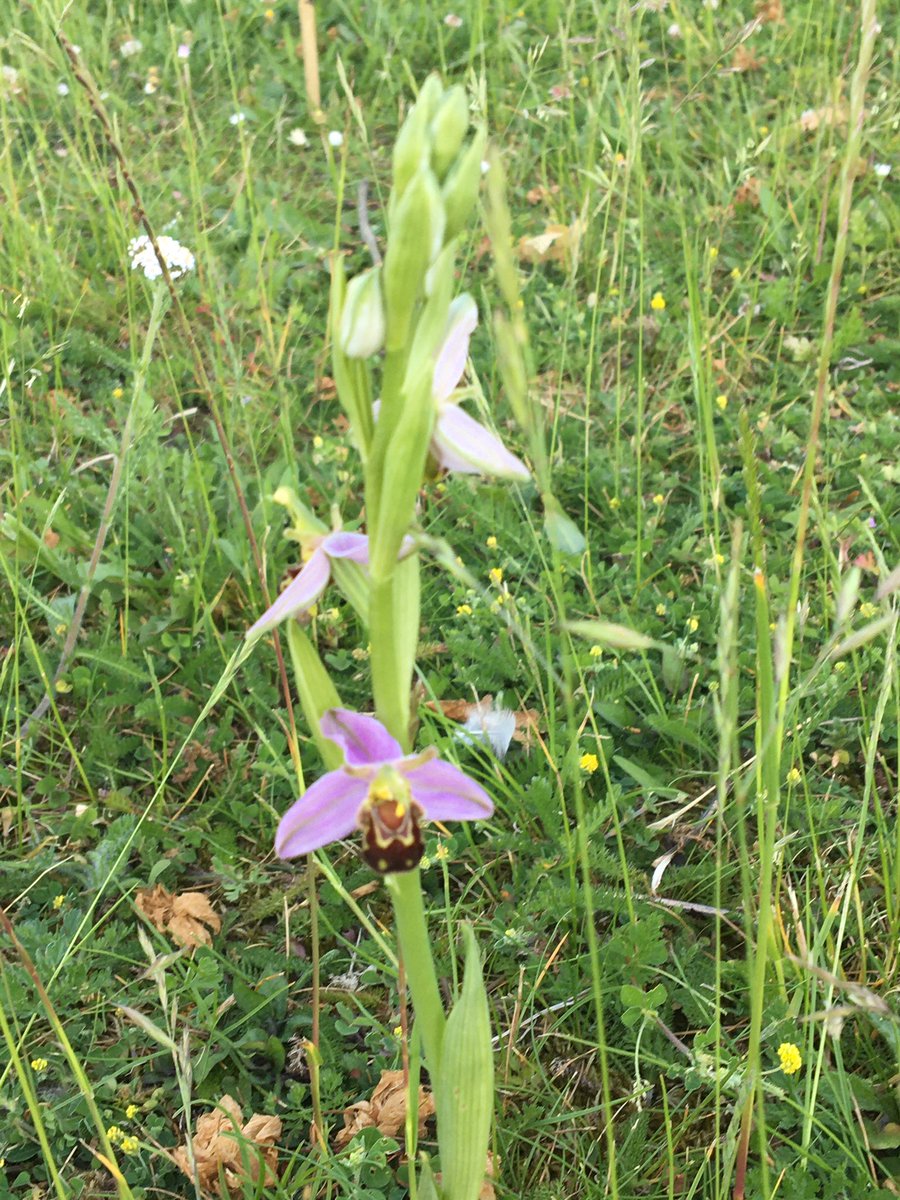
[(312, 580), (459, 442), (380, 790)]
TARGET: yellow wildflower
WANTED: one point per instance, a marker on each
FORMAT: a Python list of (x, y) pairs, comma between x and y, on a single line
[(735, 272), (660, 610), (615, 503), (867, 609), (659, 498), (39, 1064), (58, 901), (496, 574), (114, 1133), (789, 1057), (441, 852), (658, 303), (714, 252), (464, 610), (491, 543), (117, 393), (589, 763), (130, 1144), (793, 775), (131, 1111), (722, 401), (693, 624), (595, 651)]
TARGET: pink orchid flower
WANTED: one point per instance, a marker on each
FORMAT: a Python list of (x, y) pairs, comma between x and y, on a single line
[(460, 443), (311, 581), (380, 790)]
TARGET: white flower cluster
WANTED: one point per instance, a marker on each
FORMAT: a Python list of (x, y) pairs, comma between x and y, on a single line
[(178, 258)]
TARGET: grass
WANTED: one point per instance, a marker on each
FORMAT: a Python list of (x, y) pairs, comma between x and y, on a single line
[(727, 878)]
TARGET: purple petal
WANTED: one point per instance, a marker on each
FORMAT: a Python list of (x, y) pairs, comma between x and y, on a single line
[(325, 813), (300, 594), (451, 358), (461, 444), (446, 793), (362, 739), (354, 546)]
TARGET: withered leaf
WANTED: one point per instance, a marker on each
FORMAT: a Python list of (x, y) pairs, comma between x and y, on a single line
[(224, 1147), (386, 1111), (183, 915)]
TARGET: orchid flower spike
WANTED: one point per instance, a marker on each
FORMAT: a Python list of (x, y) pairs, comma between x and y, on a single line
[(381, 791), (309, 584), (459, 442)]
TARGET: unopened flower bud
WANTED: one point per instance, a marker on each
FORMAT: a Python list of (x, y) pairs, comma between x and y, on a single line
[(465, 1086), (362, 318), (448, 129), (416, 237), (460, 189), (412, 148)]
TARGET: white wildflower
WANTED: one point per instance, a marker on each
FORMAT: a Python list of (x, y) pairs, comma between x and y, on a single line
[(674, 30), (882, 170), (9, 78), (131, 47), (298, 138), (237, 118), (335, 138), (184, 50), (178, 258), (452, 21), (62, 89)]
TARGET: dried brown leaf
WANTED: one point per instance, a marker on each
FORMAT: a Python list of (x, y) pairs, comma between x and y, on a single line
[(555, 244), (185, 915), (225, 1147), (744, 60), (770, 10), (386, 1111)]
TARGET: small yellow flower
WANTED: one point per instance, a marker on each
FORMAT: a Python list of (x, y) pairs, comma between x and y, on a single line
[(840, 666), (693, 624), (789, 1057), (862, 289), (60, 629), (269, 15), (589, 763), (114, 1133), (130, 1144), (763, 130), (118, 393), (614, 291), (58, 902), (496, 574), (491, 543), (424, 862), (658, 303), (333, 614), (793, 775), (661, 610), (595, 651), (615, 503), (464, 610), (714, 252), (39, 1064), (619, 158), (722, 401), (659, 498), (398, 1031), (867, 609), (719, 559), (510, 934), (318, 442), (131, 1111), (735, 272), (441, 852)]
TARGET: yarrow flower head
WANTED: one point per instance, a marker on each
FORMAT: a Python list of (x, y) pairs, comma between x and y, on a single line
[(459, 443), (789, 1058), (178, 258), (381, 791), (312, 580)]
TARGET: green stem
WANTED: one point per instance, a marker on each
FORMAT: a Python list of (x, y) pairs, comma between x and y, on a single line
[(418, 962)]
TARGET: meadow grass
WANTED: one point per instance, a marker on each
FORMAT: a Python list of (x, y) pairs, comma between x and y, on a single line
[(695, 857)]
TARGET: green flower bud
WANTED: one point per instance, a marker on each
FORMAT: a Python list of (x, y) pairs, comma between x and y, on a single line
[(448, 129), (316, 691), (460, 189), (465, 1086), (415, 240), (412, 149), (351, 375), (362, 318)]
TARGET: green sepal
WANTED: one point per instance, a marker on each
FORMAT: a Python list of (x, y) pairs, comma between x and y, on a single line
[(464, 1093), (315, 690), (361, 330)]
